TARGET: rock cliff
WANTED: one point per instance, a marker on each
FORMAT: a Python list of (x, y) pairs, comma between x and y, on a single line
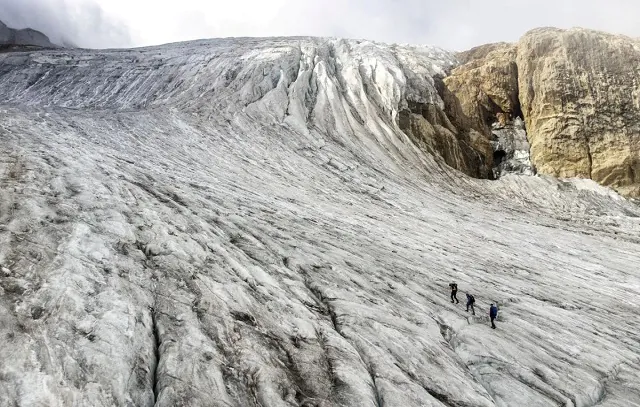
[(577, 91), (580, 96), (10, 37), (486, 84)]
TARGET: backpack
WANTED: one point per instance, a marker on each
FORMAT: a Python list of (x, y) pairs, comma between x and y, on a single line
[(471, 299)]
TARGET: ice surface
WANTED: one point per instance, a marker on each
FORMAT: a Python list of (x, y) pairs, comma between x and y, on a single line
[(242, 223), (511, 149)]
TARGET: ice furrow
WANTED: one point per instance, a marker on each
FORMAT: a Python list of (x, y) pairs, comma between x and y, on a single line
[(156, 389)]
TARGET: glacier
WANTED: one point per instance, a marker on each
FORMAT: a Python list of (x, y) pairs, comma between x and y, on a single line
[(241, 222)]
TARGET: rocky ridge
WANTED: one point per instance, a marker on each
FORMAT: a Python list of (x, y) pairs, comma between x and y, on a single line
[(12, 38), (577, 91)]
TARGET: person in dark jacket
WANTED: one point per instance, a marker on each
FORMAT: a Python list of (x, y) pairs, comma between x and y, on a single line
[(470, 301), (493, 314), (454, 292)]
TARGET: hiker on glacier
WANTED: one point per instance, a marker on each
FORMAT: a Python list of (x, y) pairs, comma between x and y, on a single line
[(493, 314), (470, 301), (454, 292)]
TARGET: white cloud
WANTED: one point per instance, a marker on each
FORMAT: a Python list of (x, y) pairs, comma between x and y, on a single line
[(78, 21), (456, 24)]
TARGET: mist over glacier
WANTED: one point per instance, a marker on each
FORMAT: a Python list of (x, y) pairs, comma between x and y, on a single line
[(242, 222)]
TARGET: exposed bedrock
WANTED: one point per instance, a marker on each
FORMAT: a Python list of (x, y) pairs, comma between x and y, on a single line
[(577, 91)]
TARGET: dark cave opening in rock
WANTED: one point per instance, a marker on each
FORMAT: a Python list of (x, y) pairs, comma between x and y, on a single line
[(498, 158), (518, 113)]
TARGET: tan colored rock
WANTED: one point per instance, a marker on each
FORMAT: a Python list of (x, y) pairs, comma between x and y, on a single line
[(504, 118), (481, 52), (486, 85), (580, 94), (432, 131), (578, 91)]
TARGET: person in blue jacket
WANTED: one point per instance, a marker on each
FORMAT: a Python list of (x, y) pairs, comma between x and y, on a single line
[(493, 314)]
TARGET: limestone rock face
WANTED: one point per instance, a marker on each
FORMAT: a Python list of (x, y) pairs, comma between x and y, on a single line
[(486, 84), (581, 100), (435, 120), (430, 128), (577, 91)]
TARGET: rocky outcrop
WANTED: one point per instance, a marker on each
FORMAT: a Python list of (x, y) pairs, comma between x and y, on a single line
[(434, 120), (486, 85), (430, 128), (10, 37), (580, 96), (577, 91)]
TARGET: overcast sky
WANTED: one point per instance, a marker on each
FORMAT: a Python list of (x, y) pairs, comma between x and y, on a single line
[(452, 24)]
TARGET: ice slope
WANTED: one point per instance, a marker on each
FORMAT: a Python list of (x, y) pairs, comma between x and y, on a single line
[(242, 223)]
